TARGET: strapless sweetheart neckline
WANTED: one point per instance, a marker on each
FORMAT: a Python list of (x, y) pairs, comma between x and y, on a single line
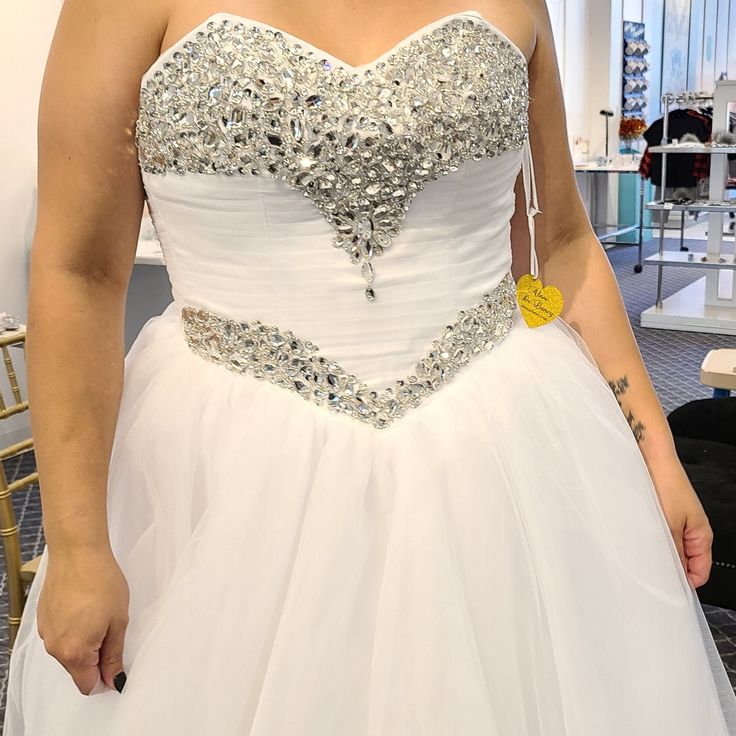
[(426, 29), (242, 99)]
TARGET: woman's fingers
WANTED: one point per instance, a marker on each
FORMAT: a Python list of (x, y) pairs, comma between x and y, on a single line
[(80, 660), (85, 678), (111, 655), (697, 544), (677, 531), (88, 664)]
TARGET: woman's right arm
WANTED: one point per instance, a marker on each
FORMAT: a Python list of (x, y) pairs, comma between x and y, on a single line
[(90, 200)]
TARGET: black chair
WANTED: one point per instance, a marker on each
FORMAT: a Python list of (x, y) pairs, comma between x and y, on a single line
[(705, 437)]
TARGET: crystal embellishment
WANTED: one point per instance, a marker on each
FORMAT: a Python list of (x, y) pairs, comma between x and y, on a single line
[(268, 352), (241, 99)]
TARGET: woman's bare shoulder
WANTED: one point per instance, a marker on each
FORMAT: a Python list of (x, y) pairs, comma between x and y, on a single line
[(127, 34), (517, 19), (87, 158)]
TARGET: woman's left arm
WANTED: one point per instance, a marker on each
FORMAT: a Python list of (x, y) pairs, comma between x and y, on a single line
[(572, 258)]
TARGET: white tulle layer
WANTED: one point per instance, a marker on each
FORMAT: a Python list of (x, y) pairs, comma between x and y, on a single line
[(495, 563)]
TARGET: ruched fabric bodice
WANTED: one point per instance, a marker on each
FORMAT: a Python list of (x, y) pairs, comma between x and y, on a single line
[(249, 248), (286, 186)]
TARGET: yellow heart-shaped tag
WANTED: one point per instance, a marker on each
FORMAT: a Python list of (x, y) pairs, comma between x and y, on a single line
[(539, 304)]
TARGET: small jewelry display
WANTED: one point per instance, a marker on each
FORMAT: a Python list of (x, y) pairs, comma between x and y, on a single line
[(8, 322), (635, 66)]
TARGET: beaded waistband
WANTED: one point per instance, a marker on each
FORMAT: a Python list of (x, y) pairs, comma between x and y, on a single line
[(268, 352)]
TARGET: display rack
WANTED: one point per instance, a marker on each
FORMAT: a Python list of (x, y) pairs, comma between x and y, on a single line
[(699, 307), (635, 66), (681, 98)]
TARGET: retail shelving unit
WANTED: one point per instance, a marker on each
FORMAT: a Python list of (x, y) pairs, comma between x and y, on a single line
[(709, 304)]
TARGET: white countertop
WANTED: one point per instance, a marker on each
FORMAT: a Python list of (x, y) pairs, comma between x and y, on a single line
[(149, 253), (627, 168)]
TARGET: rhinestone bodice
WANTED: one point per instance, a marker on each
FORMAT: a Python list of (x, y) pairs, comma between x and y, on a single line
[(259, 152), (241, 98)]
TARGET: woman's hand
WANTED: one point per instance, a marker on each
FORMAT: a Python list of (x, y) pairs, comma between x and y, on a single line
[(686, 518), (83, 614)]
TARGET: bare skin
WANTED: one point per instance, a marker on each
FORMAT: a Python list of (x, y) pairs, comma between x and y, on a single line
[(89, 209)]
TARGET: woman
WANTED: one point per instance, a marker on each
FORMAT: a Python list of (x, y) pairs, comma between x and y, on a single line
[(342, 492)]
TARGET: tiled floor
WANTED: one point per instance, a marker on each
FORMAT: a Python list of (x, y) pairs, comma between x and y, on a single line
[(673, 360)]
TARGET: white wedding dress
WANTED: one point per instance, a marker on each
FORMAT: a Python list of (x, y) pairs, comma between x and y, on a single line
[(352, 492)]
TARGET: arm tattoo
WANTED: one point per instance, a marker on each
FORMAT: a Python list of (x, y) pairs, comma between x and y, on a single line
[(619, 387)]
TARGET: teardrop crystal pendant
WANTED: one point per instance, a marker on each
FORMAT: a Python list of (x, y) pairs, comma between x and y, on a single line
[(368, 274), (367, 271)]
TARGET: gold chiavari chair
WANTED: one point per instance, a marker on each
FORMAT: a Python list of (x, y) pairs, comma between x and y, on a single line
[(19, 573)]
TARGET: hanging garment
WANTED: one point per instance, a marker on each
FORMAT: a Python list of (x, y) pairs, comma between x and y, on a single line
[(683, 169)]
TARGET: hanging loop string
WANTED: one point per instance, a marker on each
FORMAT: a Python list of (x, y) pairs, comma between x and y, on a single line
[(530, 194)]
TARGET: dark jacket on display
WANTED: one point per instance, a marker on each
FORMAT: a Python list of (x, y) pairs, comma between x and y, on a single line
[(683, 169)]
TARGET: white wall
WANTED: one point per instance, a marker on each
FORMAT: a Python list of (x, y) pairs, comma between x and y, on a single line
[(25, 36), (588, 45)]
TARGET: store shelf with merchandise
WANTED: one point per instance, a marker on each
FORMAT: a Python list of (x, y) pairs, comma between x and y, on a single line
[(706, 148), (700, 205), (691, 258), (708, 304)]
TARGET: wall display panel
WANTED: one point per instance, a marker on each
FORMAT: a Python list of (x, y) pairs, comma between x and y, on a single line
[(731, 61), (635, 68), (675, 43), (707, 60), (696, 47), (721, 31)]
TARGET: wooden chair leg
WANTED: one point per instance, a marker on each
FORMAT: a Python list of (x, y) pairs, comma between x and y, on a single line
[(11, 549)]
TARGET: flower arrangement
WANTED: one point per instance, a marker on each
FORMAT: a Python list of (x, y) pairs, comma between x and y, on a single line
[(630, 130)]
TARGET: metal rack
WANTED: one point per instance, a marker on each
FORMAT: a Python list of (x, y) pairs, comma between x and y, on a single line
[(680, 98), (698, 307)]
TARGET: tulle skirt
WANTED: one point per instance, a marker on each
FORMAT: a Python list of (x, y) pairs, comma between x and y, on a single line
[(495, 562)]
